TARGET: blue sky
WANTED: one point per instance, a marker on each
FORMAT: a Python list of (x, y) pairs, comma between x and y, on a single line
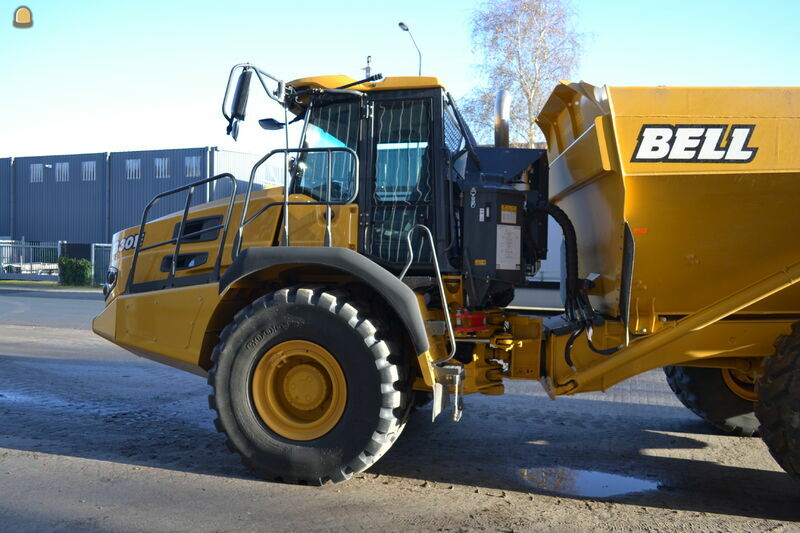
[(99, 76)]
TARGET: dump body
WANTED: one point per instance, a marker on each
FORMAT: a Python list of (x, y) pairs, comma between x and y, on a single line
[(707, 179)]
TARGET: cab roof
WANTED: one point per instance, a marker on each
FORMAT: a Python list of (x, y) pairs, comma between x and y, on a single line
[(387, 84)]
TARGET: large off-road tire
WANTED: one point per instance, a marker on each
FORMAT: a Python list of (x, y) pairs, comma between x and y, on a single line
[(778, 408), (705, 392), (422, 398), (307, 387)]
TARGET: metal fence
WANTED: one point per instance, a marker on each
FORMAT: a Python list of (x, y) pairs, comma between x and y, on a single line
[(101, 259), (22, 260), (29, 261)]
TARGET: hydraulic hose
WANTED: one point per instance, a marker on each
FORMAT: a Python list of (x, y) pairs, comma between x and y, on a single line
[(577, 307), (571, 243)]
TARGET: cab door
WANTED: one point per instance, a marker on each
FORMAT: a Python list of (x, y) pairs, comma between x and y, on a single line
[(399, 191)]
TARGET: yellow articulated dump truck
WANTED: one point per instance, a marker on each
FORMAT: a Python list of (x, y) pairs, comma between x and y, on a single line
[(377, 276)]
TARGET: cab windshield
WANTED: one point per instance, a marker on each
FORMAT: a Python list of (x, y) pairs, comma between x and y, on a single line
[(331, 125)]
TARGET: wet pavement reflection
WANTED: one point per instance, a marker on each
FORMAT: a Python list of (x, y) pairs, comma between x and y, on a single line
[(585, 483)]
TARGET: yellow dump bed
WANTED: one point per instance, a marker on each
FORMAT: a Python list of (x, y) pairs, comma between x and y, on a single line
[(706, 179)]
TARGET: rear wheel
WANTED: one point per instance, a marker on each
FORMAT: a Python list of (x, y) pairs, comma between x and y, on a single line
[(307, 388), (723, 397), (778, 408)]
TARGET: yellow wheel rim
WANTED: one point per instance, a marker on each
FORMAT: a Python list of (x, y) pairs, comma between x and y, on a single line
[(299, 390), (741, 384)]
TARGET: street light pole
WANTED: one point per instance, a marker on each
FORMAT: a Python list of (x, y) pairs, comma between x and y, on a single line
[(404, 27)]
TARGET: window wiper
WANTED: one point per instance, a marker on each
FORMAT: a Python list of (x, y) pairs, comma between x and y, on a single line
[(374, 77), (341, 90)]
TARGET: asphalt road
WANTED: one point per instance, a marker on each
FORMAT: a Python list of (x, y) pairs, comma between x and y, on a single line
[(95, 439), (58, 308)]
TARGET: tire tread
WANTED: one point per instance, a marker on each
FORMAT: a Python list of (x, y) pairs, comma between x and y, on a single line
[(778, 409), (686, 382), (388, 426)]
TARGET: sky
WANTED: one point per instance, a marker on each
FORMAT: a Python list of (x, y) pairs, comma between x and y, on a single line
[(122, 75)]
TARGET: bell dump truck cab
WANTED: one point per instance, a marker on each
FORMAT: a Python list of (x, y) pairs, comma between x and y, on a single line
[(377, 275)]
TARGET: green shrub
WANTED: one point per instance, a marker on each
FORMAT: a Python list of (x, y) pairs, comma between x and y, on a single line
[(74, 271)]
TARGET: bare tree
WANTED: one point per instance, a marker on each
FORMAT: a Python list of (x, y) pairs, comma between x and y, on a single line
[(527, 46)]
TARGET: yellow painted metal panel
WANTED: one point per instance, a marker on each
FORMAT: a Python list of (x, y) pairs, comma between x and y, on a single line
[(105, 323), (584, 182), (724, 339), (261, 232), (169, 322), (702, 230), (307, 224)]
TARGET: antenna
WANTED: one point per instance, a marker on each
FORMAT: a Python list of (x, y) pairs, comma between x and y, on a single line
[(404, 27)]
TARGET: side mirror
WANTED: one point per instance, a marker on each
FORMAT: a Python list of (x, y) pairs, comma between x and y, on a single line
[(239, 104), (240, 95)]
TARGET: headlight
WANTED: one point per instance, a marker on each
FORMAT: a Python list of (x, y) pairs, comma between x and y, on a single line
[(111, 281)]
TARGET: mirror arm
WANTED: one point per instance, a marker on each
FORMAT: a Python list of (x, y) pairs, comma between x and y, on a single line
[(279, 95)]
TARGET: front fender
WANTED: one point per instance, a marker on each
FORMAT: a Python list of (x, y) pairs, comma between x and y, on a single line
[(396, 293)]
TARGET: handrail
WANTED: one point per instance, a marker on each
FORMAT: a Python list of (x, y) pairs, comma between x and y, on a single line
[(286, 203), (442, 293), (177, 240)]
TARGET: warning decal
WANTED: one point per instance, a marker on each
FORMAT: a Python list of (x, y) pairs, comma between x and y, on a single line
[(508, 214), (508, 247)]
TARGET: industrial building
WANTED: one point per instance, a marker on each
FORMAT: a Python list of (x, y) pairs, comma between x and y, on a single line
[(87, 197), (5, 197)]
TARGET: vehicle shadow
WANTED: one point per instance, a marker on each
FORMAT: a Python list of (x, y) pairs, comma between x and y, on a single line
[(151, 415), (671, 453), (137, 413)]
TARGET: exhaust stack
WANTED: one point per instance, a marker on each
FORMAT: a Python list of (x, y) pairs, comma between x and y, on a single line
[(502, 114)]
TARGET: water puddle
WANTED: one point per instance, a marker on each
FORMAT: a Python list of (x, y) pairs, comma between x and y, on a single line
[(585, 483)]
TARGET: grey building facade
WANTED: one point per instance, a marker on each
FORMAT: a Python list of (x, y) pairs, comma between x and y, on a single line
[(88, 197), (59, 195), (136, 177), (5, 198)]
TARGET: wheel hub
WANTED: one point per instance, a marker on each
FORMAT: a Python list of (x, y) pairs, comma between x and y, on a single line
[(740, 383), (299, 390), (305, 387)]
